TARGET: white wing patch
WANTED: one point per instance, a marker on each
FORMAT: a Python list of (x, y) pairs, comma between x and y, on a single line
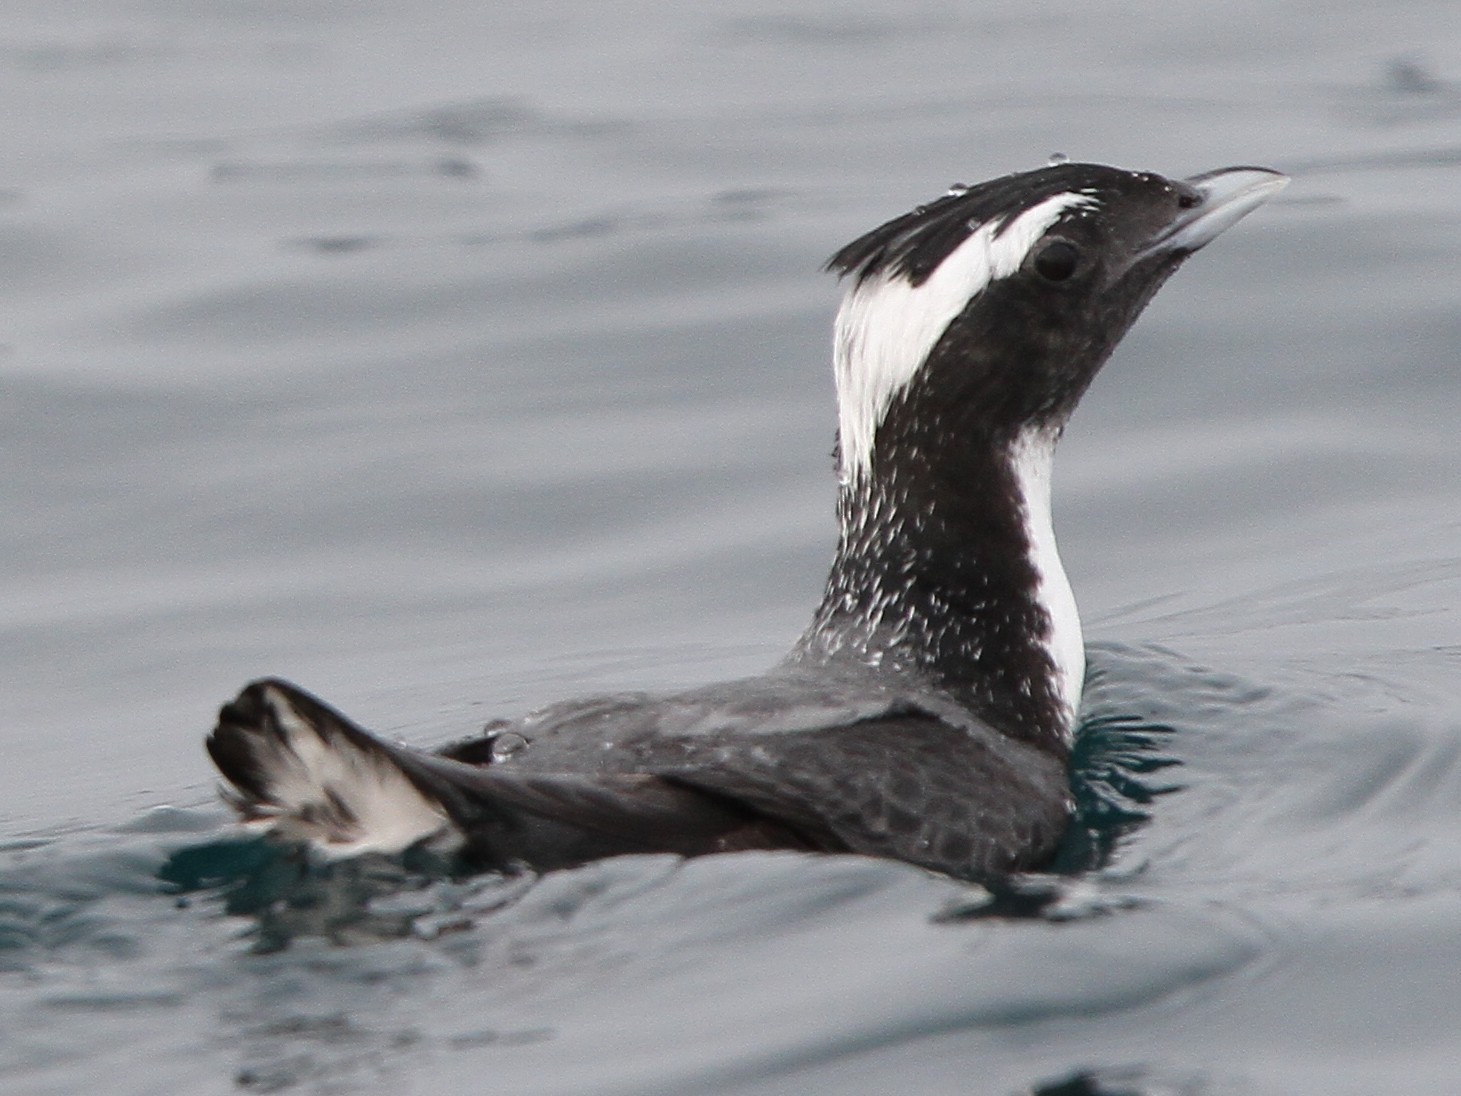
[(1032, 458), (343, 799), (887, 327)]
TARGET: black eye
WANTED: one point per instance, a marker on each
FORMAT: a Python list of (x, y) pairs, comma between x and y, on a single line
[(1057, 260)]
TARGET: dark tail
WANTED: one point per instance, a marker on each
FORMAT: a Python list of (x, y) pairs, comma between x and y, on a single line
[(301, 770)]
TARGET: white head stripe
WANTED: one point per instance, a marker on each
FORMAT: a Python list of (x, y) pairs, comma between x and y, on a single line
[(887, 327)]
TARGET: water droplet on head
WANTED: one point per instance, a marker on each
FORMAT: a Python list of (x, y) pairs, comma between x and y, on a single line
[(957, 190), (1058, 158), (507, 743)]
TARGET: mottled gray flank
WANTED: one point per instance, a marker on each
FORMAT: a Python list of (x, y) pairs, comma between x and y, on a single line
[(792, 760)]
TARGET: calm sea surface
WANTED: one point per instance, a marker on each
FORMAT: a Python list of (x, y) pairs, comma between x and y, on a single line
[(454, 358)]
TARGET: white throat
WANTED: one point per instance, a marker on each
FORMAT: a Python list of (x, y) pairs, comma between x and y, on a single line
[(1032, 457)]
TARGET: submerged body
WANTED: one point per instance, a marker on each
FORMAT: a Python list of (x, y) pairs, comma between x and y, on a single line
[(927, 712)]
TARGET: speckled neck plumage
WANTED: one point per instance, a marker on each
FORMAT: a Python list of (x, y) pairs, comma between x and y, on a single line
[(938, 573)]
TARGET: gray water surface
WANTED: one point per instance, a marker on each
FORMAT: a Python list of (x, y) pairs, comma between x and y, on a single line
[(452, 359)]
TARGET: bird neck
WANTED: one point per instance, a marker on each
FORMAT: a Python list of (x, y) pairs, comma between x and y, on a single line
[(947, 568)]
